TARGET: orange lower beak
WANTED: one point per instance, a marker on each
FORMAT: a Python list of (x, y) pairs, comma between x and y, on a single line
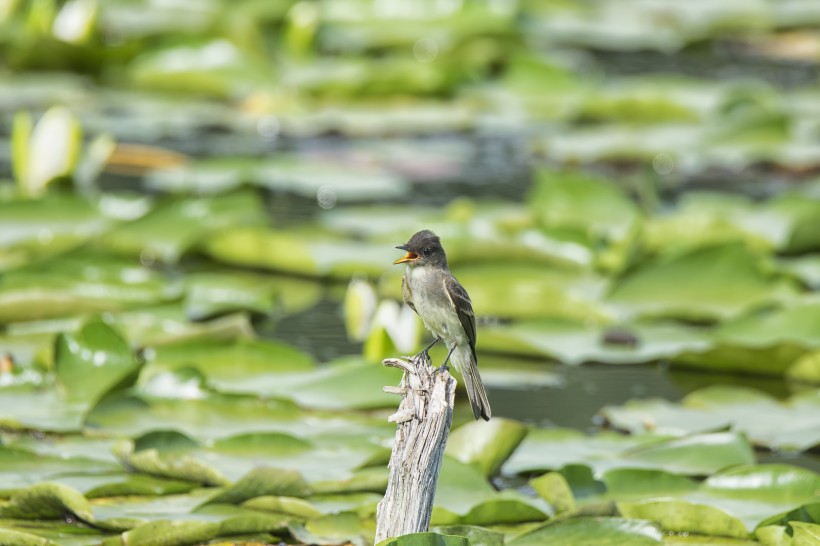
[(409, 257)]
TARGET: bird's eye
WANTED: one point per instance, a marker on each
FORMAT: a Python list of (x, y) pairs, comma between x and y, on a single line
[(426, 252)]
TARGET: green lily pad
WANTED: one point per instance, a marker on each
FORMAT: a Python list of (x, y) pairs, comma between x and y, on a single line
[(553, 488), (173, 533), (346, 384), (335, 529), (703, 454), (20, 468), (177, 225), (464, 496), (426, 539), (88, 364), (765, 342), (47, 500), (624, 483), (243, 366), (232, 458), (292, 506), (264, 481), (601, 531), (537, 293), (805, 534), (234, 520), (477, 536), (215, 416), (214, 68), (291, 252), (681, 516), (36, 229), (19, 538), (592, 206), (160, 325), (712, 283), (706, 219), (82, 283), (209, 294), (805, 369), (767, 422), (488, 444), (576, 342)]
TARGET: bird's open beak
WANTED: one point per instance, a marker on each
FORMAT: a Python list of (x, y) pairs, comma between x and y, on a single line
[(409, 257)]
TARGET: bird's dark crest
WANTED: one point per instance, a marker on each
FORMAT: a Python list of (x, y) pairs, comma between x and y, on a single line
[(422, 239)]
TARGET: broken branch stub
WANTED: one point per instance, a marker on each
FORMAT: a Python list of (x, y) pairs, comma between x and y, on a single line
[(422, 426)]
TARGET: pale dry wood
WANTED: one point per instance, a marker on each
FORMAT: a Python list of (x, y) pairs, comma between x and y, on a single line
[(423, 424)]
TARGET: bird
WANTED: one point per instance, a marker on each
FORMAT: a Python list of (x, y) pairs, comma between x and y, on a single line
[(430, 289)]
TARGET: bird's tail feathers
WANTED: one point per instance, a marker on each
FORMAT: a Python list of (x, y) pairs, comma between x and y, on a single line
[(465, 362)]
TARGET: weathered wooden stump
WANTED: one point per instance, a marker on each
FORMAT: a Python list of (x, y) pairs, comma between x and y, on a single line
[(423, 424)]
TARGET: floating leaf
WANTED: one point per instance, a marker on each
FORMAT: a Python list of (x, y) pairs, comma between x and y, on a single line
[(718, 282), (488, 444), (427, 539), (703, 454), (681, 516), (290, 252), (599, 531), (577, 342), (243, 366), (553, 487), (90, 362), (176, 225), (47, 500), (335, 529), (216, 68), (77, 285), (764, 420), (173, 533), (31, 230), (538, 292), (19, 538), (264, 481), (214, 293)]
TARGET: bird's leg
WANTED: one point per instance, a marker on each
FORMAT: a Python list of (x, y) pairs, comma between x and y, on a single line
[(424, 351), (443, 367)]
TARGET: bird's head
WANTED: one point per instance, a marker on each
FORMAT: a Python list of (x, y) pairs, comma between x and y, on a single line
[(423, 248)]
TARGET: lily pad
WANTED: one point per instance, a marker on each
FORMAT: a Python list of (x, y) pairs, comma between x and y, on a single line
[(426, 539), (680, 516), (766, 342), (714, 283), (576, 342), (464, 496), (243, 366), (291, 252), (176, 225), (88, 364), (80, 284), (47, 500), (209, 294), (552, 449), (488, 444), (174, 533), (36, 229), (767, 422), (538, 292), (601, 531)]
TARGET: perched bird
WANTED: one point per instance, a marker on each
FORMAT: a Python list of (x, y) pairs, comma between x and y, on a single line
[(442, 303)]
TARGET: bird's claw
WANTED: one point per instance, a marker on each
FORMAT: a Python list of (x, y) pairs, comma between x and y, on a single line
[(441, 369)]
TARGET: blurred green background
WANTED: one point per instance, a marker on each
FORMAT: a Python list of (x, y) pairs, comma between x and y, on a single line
[(199, 204)]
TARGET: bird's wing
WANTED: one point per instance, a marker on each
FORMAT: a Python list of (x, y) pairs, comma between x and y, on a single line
[(405, 293), (463, 307)]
